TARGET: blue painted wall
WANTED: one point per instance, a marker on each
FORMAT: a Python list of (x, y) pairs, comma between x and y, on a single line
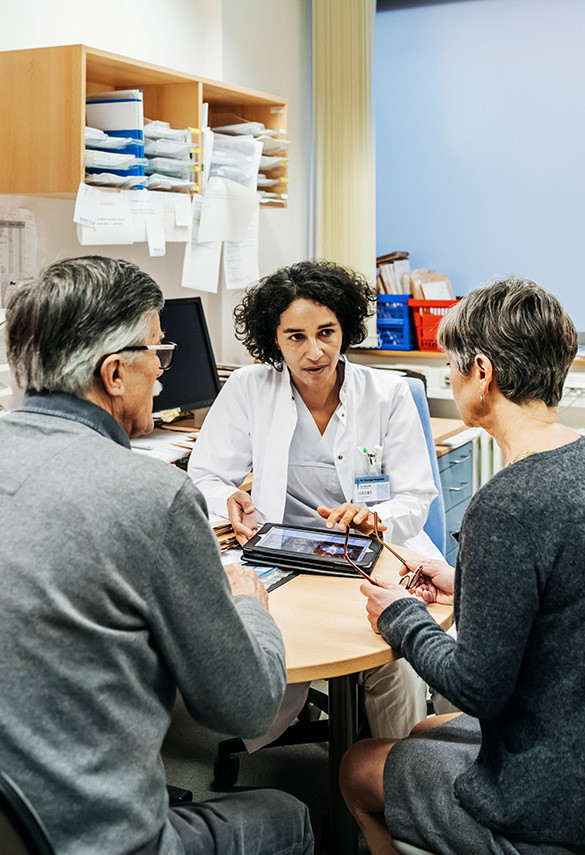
[(480, 141)]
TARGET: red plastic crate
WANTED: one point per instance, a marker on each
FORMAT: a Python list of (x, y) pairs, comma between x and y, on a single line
[(427, 317)]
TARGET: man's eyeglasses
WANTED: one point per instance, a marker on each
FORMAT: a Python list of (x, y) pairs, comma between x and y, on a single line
[(164, 351), (408, 581)]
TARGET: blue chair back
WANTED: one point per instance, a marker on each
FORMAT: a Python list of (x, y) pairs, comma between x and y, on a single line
[(435, 525)]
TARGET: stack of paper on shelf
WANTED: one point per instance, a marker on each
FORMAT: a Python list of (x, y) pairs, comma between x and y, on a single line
[(393, 272), (170, 160), (119, 113), (430, 285), (273, 154), (224, 371), (236, 158)]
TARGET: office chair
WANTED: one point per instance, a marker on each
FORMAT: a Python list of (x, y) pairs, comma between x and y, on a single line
[(21, 829), (435, 525), (309, 728)]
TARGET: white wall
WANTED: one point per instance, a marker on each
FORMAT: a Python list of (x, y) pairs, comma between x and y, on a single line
[(258, 43), (181, 34)]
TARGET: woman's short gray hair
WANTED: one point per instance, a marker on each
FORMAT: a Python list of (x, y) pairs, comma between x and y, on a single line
[(60, 324), (523, 330)]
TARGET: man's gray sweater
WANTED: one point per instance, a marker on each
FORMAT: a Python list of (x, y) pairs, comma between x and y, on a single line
[(112, 596)]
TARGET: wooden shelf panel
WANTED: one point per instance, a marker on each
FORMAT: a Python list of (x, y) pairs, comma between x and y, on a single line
[(42, 103)]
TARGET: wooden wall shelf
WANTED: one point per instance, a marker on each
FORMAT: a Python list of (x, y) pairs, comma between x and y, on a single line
[(42, 104)]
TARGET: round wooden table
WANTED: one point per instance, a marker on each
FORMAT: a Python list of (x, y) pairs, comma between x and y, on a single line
[(327, 636)]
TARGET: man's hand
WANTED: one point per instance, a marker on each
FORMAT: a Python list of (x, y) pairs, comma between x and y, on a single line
[(242, 515), (244, 581), (380, 596), (436, 579), (349, 515)]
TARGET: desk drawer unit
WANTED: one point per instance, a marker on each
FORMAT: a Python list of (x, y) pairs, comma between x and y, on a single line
[(456, 469)]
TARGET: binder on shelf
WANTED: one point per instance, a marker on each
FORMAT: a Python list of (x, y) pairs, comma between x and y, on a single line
[(119, 112)]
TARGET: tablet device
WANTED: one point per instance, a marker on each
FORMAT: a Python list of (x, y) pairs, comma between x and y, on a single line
[(311, 550)]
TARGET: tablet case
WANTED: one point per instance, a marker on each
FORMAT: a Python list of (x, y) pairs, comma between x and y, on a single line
[(303, 562)]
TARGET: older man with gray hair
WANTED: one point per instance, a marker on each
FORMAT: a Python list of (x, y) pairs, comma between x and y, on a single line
[(112, 592)]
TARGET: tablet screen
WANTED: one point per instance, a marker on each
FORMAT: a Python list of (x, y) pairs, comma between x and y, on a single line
[(314, 543)]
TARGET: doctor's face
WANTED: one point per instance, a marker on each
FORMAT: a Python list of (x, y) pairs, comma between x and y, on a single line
[(309, 337)]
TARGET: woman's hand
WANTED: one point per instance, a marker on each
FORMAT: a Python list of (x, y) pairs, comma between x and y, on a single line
[(435, 581), (242, 515), (349, 515), (380, 596)]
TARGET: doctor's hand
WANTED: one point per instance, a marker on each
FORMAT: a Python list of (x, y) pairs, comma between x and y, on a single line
[(245, 582), (349, 515), (436, 580), (242, 515)]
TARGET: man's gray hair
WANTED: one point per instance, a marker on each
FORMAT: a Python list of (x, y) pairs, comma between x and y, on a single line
[(61, 324), (523, 330)]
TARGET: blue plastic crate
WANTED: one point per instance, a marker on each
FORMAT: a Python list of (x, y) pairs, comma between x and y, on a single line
[(395, 323)]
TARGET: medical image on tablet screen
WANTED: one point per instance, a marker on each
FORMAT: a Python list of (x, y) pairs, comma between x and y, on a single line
[(314, 543)]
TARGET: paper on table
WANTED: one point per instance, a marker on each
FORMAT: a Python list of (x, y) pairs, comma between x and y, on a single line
[(159, 444), (271, 577), (202, 260), (240, 259), (113, 224), (226, 211)]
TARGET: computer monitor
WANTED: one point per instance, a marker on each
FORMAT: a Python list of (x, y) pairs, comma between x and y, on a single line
[(192, 381)]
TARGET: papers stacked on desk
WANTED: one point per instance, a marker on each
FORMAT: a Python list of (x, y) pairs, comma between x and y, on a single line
[(225, 535), (164, 445)]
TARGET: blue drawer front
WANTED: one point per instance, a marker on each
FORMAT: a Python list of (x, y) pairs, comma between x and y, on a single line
[(456, 456), (456, 468)]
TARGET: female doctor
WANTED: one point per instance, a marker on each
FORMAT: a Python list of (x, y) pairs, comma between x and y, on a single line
[(329, 442)]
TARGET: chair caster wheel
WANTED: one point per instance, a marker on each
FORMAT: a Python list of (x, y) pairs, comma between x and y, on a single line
[(225, 772)]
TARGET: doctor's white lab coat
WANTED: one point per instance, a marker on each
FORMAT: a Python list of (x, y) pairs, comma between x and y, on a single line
[(251, 424)]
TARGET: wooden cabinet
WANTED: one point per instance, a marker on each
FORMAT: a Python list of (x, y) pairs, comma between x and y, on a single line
[(42, 104)]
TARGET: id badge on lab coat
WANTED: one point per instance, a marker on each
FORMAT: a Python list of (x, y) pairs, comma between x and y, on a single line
[(371, 488), (370, 484)]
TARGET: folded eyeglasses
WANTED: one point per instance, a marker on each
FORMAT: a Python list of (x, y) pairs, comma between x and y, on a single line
[(408, 581)]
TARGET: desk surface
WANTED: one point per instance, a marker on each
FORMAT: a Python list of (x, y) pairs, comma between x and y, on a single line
[(325, 627), (442, 429)]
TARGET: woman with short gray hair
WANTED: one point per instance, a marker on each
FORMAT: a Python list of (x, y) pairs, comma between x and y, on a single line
[(507, 776)]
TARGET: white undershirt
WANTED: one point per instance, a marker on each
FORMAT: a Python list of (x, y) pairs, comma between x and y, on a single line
[(312, 477)]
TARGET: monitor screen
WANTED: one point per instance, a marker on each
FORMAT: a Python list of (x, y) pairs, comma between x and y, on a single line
[(192, 381)]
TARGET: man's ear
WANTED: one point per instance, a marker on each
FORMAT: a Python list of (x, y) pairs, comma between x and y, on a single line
[(113, 375)]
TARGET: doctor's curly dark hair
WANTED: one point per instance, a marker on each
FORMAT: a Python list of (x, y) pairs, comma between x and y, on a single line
[(345, 292)]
